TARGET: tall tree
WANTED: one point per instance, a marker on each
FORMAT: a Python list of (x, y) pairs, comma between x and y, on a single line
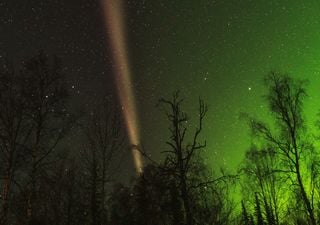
[(104, 142), (258, 211), (246, 218), (45, 94), (182, 156), (260, 176), (289, 140), (14, 132)]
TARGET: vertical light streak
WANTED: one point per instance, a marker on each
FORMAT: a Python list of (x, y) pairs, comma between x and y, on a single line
[(116, 32)]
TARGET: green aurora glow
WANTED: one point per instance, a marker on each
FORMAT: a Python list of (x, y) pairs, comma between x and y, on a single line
[(220, 50)]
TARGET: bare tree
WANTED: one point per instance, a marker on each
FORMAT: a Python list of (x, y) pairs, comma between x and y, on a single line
[(45, 94), (181, 155), (14, 131), (104, 141), (261, 177), (190, 190), (289, 140)]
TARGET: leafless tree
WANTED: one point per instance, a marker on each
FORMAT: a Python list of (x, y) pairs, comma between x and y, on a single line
[(45, 94), (14, 131), (104, 142), (261, 177), (289, 139), (182, 155)]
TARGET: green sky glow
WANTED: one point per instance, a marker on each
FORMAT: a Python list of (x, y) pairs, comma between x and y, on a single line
[(220, 50)]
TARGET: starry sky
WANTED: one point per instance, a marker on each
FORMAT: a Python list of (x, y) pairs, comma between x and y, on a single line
[(219, 50)]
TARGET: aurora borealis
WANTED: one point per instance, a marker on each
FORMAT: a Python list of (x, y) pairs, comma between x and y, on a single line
[(219, 50), (152, 112)]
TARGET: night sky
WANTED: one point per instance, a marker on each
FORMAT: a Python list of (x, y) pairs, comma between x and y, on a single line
[(218, 50)]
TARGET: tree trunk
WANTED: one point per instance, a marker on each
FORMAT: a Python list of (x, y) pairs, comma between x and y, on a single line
[(185, 196), (5, 196), (32, 194), (186, 203), (305, 198)]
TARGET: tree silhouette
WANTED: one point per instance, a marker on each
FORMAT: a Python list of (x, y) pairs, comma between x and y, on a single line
[(15, 129), (258, 212), (246, 218), (260, 176), (156, 198), (104, 142), (181, 156), (121, 204), (45, 94), (289, 140)]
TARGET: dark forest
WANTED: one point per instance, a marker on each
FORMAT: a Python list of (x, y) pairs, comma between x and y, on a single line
[(43, 183), (159, 112)]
